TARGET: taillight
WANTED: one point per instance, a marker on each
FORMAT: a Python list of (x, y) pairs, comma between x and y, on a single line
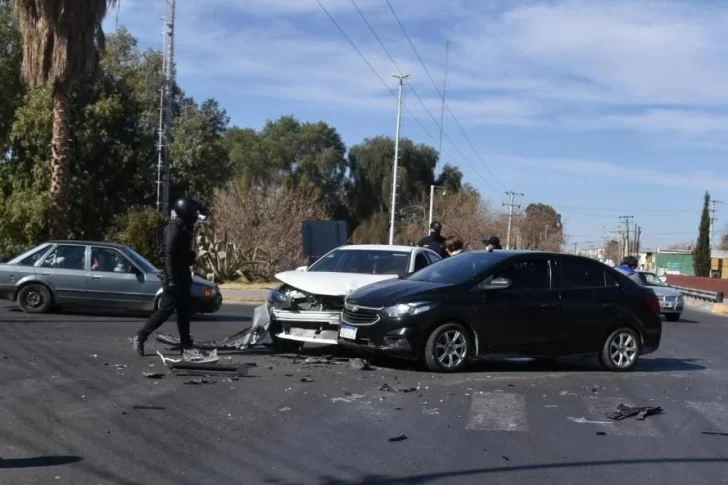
[(654, 303)]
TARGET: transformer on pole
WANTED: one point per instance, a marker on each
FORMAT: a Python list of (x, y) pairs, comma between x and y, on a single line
[(165, 113)]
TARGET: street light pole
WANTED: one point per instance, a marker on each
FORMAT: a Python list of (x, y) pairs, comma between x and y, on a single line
[(432, 196), (402, 79)]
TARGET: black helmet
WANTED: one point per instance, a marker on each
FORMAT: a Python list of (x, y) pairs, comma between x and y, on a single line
[(493, 241), (190, 210), (436, 227)]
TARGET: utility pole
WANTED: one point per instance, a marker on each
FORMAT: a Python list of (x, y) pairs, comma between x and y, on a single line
[(400, 104), (432, 202), (575, 244), (712, 220), (626, 220), (444, 89), (165, 113), (511, 205)]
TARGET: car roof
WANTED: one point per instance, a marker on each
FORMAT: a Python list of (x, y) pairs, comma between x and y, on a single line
[(87, 243), (379, 247)]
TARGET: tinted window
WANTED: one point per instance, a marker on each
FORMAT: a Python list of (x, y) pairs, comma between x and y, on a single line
[(432, 257), (611, 280), (581, 274), (140, 260), (420, 262), (528, 275), (33, 258), (364, 261), (66, 256), (459, 270)]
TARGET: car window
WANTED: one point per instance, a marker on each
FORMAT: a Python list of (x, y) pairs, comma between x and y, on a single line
[(465, 268), (528, 275), (432, 257), (611, 280), (107, 260), (420, 261), (66, 256), (140, 260), (581, 274), (33, 258), (364, 261), (651, 279)]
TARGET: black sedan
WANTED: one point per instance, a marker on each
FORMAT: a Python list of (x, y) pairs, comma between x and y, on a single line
[(505, 303)]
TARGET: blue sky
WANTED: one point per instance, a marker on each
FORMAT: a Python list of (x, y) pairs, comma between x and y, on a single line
[(600, 108)]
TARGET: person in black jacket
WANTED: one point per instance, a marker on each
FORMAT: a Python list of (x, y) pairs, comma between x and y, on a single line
[(435, 241), (177, 255), (493, 242)]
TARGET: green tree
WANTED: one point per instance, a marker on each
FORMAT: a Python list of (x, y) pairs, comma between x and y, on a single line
[(701, 253), (541, 228), (61, 40), (11, 85)]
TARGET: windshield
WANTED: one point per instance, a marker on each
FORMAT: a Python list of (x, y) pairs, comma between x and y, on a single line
[(456, 271), (364, 261), (651, 279), (139, 260)]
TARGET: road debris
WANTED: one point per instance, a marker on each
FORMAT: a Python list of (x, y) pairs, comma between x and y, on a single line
[(408, 390), (146, 407), (642, 412), (399, 437), (120, 366), (567, 393), (360, 364), (586, 421), (601, 433), (505, 458), (283, 410), (430, 411), (386, 388), (153, 375), (714, 433), (306, 379), (203, 380)]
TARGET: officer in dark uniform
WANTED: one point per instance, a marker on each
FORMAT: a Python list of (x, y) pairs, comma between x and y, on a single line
[(177, 255), (435, 241), (493, 242)]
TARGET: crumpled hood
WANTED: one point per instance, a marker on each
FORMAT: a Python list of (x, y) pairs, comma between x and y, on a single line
[(329, 283)]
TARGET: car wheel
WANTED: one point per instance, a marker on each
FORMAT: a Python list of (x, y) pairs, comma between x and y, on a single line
[(448, 348), (35, 299), (672, 317), (621, 350)]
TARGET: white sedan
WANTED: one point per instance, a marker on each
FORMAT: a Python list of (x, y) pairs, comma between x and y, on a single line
[(307, 307)]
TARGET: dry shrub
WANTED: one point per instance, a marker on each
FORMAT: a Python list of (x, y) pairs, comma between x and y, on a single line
[(265, 226)]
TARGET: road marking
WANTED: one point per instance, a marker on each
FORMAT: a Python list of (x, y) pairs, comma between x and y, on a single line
[(715, 413), (599, 406), (497, 412)]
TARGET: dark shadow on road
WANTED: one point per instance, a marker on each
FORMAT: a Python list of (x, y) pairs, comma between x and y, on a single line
[(38, 461), (665, 364), (423, 479)]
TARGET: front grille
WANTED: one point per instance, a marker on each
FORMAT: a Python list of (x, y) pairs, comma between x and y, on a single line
[(669, 298), (362, 316)]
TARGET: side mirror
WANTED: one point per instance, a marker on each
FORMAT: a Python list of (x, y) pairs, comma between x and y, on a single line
[(497, 284)]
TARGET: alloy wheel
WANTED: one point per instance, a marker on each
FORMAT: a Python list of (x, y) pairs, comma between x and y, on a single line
[(451, 348), (623, 349)]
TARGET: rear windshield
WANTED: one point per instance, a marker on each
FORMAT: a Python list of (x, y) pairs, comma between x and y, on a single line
[(363, 261), (458, 270)]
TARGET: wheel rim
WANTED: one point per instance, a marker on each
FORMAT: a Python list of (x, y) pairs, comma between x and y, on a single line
[(451, 348), (34, 299), (623, 349)]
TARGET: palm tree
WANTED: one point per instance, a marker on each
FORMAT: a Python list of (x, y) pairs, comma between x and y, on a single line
[(61, 42)]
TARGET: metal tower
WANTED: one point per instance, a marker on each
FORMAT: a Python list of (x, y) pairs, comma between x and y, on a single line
[(165, 112)]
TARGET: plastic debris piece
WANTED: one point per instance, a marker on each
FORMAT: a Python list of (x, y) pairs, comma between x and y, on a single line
[(360, 364), (306, 379), (386, 388), (203, 380), (399, 437), (409, 389), (153, 375), (283, 410), (642, 412), (601, 433)]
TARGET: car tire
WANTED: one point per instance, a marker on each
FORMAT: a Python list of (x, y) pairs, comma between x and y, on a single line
[(35, 298), (448, 348), (672, 317), (621, 350)]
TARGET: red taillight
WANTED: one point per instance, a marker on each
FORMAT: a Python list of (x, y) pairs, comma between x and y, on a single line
[(654, 303)]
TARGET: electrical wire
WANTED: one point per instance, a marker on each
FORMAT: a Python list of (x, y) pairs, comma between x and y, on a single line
[(421, 101), (437, 89)]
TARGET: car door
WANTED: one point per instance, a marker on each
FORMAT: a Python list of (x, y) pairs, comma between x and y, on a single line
[(114, 281), (420, 261), (64, 271), (589, 298), (518, 317)]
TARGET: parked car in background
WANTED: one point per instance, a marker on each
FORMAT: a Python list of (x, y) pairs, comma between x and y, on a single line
[(672, 301), (91, 274), (307, 306), (509, 303)]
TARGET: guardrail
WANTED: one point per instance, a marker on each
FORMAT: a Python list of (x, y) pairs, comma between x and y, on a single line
[(711, 296)]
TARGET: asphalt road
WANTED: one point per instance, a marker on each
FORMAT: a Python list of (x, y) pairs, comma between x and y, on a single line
[(67, 414)]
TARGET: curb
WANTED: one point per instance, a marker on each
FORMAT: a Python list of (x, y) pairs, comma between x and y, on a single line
[(720, 308)]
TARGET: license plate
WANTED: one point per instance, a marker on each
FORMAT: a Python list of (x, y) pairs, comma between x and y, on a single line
[(669, 305), (348, 333)]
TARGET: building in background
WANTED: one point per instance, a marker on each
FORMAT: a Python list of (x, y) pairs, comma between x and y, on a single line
[(674, 261)]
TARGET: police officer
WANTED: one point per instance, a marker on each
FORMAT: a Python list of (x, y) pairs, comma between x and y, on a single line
[(177, 255), (435, 241), (493, 242)]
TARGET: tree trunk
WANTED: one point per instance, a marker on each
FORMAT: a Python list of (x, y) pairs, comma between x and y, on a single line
[(60, 165)]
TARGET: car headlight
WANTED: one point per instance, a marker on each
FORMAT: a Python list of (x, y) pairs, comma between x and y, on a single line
[(404, 309), (277, 297)]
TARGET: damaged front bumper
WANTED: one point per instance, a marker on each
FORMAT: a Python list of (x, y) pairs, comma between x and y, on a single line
[(303, 317)]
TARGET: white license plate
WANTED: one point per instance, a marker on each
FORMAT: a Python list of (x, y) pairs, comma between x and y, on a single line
[(669, 305), (349, 333)]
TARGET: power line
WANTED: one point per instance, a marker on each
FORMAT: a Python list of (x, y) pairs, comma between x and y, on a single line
[(434, 84), (358, 51), (419, 98)]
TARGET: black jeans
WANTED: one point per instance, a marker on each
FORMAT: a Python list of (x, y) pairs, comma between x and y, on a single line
[(174, 298)]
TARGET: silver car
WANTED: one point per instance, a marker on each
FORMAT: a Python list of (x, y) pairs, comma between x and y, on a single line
[(672, 302), (91, 274)]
